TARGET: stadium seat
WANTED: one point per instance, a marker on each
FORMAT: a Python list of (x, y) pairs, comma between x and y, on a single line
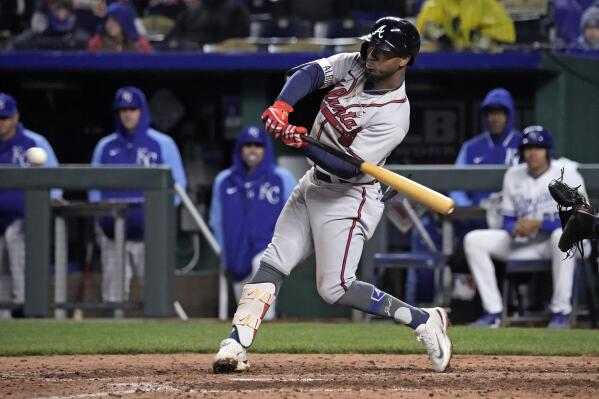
[(157, 26), (408, 260), (340, 28), (280, 28)]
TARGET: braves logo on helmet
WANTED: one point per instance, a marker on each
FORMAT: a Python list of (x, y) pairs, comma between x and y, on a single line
[(393, 34), (380, 31)]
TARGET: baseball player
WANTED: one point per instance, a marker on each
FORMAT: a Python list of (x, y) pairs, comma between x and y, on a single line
[(496, 145), (531, 229), (247, 199), (135, 143), (15, 140), (335, 208)]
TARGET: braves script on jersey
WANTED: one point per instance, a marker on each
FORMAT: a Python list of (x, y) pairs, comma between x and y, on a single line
[(366, 125)]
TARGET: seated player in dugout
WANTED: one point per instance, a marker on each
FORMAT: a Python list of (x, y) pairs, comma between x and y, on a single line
[(335, 207), (531, 229), (134, 142), (247, 199)]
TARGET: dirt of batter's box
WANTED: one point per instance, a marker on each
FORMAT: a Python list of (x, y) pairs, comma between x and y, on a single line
[(299, 376)]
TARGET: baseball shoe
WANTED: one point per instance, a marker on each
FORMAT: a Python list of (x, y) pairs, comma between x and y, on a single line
[(488, 320), (433, 335), (559, 321), (231, 357)]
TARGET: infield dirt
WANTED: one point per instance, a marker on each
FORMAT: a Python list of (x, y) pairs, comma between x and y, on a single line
[(298, 376)]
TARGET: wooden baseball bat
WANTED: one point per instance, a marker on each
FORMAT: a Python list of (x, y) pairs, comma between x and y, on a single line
[(431, 198)]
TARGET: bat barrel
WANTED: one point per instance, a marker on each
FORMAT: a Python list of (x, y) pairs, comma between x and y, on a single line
[(432, 199)]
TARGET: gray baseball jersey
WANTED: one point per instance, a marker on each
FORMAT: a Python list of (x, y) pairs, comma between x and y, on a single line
[(334, 219)]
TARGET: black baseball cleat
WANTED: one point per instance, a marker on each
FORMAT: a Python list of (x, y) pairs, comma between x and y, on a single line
[(581, 225)]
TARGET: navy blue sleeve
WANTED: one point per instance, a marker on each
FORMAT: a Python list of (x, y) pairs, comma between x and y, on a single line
[(509, 222), (304, 81), (331, 163)]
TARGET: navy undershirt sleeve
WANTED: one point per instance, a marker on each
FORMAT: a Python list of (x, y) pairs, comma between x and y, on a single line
[(331, 163), (304, 81)]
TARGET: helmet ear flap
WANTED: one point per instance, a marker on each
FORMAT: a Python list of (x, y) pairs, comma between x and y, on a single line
[(364, 51)]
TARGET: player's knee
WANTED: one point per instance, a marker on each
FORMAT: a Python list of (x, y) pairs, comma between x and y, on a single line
[(330, 293), (471, 240)]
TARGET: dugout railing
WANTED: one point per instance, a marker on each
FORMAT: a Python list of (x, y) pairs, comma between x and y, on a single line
[(159, 229)]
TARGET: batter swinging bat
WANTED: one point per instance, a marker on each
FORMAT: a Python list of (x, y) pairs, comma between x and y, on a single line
[(432, 199)]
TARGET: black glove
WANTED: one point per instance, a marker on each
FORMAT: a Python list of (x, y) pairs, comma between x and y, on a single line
[(578, 221)]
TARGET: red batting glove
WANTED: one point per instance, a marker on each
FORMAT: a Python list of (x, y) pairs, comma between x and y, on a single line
[(276, 117), (292, 136)]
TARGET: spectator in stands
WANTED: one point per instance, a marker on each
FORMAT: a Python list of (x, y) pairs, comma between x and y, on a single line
[(136, 143), (208, 21), (167, 8), (589, 30), (117, 32), (531, 229), (566, 19), (14, 17), (463, 24), (15, 140), (53, 26), (247, 199)]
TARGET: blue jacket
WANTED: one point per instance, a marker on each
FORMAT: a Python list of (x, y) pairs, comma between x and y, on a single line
[(245, 208), (144, 147), (483, 150), (12, 152)]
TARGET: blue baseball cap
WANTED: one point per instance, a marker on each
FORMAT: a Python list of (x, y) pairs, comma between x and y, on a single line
[(8, 106), (253, 134), (128, 97)]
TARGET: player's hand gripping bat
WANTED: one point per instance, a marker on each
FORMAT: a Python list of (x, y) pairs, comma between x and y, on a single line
[(432, 199)]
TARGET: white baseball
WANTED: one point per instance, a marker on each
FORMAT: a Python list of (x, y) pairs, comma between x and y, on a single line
[(36, 156)]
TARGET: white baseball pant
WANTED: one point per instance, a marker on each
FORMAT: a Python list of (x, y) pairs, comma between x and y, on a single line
[(332, 219), (481, 246), (12, 264), (134, 263)]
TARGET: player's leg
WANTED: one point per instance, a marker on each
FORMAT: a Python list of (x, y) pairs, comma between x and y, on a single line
[(291, 243), (340, 230), (136, 252), (15, 242), (480, 246), (5, 279), (111, 285), (563, 277)]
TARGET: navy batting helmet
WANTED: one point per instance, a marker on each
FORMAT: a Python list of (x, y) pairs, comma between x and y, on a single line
[(536, 136), (393, 34)]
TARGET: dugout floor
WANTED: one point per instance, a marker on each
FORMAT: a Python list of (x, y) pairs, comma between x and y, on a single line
[(298, 376)]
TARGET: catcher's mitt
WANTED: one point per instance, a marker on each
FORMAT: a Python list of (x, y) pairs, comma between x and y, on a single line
[(576, 215)]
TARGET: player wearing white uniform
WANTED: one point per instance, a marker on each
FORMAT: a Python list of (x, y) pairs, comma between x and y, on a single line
[(335, 208), (531, 230)]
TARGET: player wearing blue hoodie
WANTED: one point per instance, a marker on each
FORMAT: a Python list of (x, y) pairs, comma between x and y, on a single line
[(496, 145), (15, 140), (133, 143), (247, 199)]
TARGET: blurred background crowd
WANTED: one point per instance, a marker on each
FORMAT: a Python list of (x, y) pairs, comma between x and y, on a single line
[(287, 25)]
